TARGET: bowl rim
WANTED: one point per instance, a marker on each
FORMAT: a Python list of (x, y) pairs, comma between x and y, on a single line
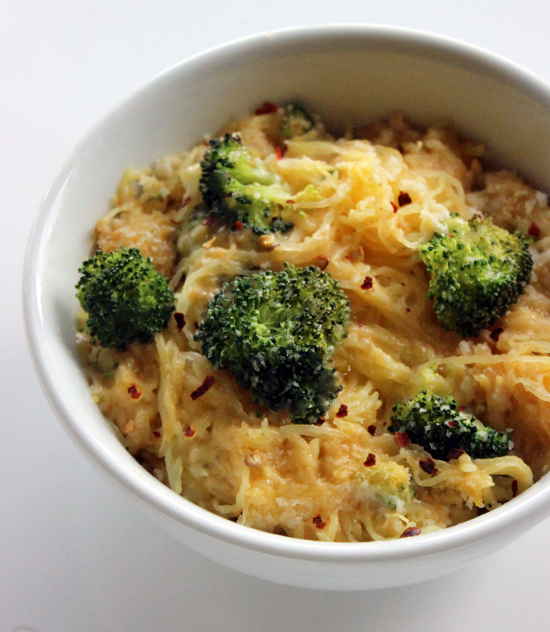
[(526, 507)]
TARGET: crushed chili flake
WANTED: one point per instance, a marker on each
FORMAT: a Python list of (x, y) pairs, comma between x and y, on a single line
[(367, 283), (342, 411), (319, 422), (266, 108), (533, 230), (402, 439), (371, 460), (455, 453), (290, 201), (156, 434), (208, 220), (495, 334), (319, 522), (238, 225), (180, 320), (394, 207), (451, 423), (189, 431), (185, 202), (134, 392), (279, 152), (428, 466), (514, 488), (205, 386), (410, 532), (371, 430), (404, 199)]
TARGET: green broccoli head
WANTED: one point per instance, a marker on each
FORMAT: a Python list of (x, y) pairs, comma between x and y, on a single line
[(477, 271), (436, 424), (125, 297), (296, 121), (276, 333), (239, 190)]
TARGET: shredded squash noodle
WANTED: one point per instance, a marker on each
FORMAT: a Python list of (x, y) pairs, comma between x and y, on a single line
[(363, 206)]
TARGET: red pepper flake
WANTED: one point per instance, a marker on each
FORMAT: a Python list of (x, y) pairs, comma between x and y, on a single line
[(279, 152), (394, 207), (495, 334), (185, 202), (238, 225), (156, 434), (402, 439), (371, 460), (290, 201), (455, 453), (451, 423), (514, 488), (403, 199), (367, 283), (266, 108), (371, 430), (205, 386), (180, 320), (410, 532), (533, 230), (319, 422), (134, 392), (408, 310), (189, 431), (342, 411), (208, 220), (319, 522), (428, 466)]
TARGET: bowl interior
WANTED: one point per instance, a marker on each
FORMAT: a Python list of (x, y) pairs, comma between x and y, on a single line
[(344, 74)]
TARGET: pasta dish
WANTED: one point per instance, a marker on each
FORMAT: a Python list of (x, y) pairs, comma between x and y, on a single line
[(361, 209)]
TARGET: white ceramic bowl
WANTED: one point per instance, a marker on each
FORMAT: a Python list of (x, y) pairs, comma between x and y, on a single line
[(357, 72)]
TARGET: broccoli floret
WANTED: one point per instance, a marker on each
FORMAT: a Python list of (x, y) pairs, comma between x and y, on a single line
[(477, 271), (296, 121), (276, 333), (125, 297), (436, 424), (239, 190)]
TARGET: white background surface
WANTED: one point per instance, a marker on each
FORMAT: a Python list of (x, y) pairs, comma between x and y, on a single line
[(74, 554)]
